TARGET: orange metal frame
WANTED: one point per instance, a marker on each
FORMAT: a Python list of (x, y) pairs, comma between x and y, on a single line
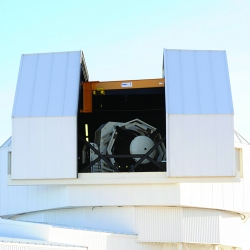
[(100, 87)]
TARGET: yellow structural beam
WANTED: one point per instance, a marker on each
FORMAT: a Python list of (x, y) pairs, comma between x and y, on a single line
[(90, 88), (129, 84)]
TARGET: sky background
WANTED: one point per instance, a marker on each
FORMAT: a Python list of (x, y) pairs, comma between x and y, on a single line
[(125, 40)]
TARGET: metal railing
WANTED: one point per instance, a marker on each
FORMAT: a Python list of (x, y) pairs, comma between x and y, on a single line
[(105, 158)]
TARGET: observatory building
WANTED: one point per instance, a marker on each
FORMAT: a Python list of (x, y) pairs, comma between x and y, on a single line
[(149, 164)]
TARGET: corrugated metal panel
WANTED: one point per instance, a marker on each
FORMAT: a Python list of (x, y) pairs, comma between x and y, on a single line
[(37, 144), (226, 196), (78, 237), (151, 224), (48, 85), (200, 145), (197, 82), (201, 225), (20, 148), (158, 224), (102, 241), (34, 157), (225, 146)]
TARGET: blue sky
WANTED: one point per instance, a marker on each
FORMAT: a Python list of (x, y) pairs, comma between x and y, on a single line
[(125, 40)]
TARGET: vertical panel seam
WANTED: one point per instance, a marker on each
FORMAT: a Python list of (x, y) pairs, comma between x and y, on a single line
[(34, 86), (166, 82), (166, 112), (28, 147), (61, 145), (52, 65), (65, 84), (228, 84), (79, 80), (182, 139), (197, 81), (211, 67), (17, 87), (217, 136), (199, 150), (45, 159), (181, 85)]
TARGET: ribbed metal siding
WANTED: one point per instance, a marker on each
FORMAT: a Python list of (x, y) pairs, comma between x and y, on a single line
[(201, 225), (159, 224), (44, 148), (48, 85), (197, 82), (151, 224), (101, 241), (226, 196), (200, 145)]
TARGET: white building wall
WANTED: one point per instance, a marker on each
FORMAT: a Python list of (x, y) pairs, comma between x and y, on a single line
[(159, 224), (225, 196), (44, 147), (16, 199), (103, 241), (150, 224), (44, 115), (199, 112), (200, 145), (20, 199), (122, 195), (201, 225), (67, 238)]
